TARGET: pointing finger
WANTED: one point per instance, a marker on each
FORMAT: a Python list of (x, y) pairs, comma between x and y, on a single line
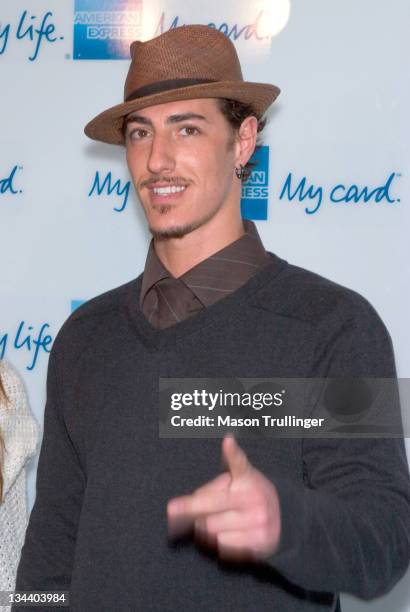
[(219, 483), (182, 511), (198, 504), (207, 498)]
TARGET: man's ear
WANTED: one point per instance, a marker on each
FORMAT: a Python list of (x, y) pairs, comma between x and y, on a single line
[(246, 140)]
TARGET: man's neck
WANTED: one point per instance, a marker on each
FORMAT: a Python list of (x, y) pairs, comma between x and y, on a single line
[(179, 255)]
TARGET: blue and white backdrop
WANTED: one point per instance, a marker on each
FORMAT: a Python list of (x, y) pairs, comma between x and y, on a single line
[(330, 191)]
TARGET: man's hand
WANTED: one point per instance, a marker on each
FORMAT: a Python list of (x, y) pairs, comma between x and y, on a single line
[(237, 513)]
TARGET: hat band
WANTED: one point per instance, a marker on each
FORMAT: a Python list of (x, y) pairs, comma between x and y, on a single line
[(160, 86)]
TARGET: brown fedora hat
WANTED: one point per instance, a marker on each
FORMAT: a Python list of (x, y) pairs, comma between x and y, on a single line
[(193, 61)]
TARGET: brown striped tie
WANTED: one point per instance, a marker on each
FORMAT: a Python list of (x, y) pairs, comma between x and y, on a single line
[(172, 302)]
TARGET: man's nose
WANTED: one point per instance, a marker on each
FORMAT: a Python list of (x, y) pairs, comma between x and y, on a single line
[(161, 157)]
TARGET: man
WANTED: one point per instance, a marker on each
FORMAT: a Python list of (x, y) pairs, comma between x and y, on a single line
[(290, 523)]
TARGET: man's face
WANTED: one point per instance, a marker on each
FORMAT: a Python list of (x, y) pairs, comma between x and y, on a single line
[(181, 156)]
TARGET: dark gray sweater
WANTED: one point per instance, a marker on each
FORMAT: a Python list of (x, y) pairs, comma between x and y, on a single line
[(98, 526)]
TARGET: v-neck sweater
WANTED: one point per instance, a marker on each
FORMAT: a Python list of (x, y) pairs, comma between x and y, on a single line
[(98, 526)]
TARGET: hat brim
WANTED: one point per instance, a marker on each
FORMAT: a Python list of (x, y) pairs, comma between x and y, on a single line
[(108, 125)]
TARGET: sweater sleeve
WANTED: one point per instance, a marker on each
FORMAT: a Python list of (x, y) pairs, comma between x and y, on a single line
[(347, 529), (47, 555), (18, 427)]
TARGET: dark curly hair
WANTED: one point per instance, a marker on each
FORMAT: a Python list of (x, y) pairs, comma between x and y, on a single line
[(235, 113)]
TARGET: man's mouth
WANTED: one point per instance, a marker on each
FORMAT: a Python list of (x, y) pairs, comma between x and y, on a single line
[(164, 191)]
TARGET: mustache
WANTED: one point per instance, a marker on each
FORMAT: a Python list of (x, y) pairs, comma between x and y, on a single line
[(174, 180)]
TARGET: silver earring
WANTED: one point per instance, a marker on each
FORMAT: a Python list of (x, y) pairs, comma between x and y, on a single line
[(240, 172)]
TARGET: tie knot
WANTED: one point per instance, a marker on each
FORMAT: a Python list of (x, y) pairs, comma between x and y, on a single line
[(170, 302)]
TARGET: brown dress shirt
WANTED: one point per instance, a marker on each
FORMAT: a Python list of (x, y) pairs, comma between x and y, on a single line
[(166, 300)]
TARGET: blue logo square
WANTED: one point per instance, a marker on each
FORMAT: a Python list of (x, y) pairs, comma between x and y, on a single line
[(255, 191), (104, 29)]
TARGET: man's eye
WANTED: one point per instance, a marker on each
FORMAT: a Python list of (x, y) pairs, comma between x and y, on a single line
[(138, 134), (189, 130)]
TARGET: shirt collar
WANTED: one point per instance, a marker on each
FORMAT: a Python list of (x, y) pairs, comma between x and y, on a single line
[(224, 271)]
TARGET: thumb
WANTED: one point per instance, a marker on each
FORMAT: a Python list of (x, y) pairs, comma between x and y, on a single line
[(234, 457)]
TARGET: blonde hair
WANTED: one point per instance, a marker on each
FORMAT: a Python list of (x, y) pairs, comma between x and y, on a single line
[(3, 399)]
